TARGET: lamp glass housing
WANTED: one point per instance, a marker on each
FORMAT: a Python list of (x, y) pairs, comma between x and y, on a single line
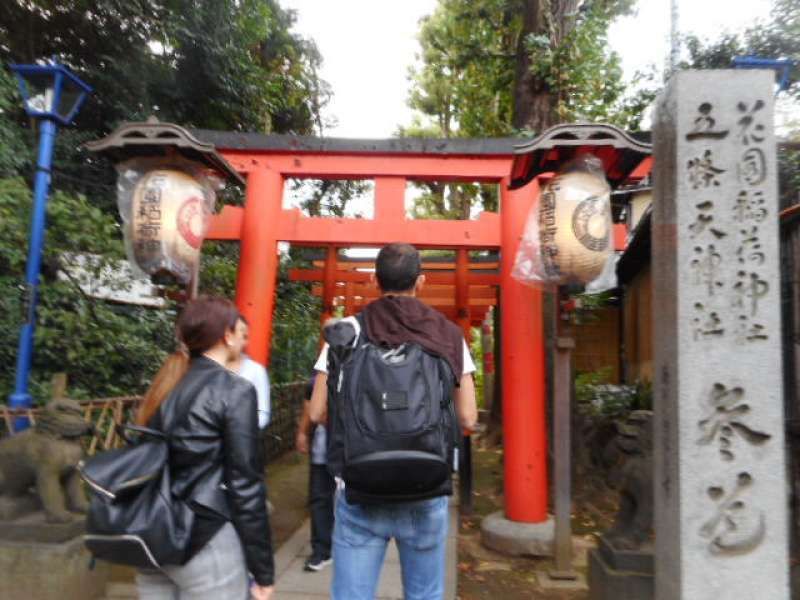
[(71, 97), (51, 91), (41, 94)]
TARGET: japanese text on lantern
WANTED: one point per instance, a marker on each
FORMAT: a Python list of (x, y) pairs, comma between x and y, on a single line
[(148, 218), (727, 251), (548, 230)]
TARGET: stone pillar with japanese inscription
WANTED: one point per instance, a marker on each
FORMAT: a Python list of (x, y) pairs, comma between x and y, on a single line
[(720, 478)]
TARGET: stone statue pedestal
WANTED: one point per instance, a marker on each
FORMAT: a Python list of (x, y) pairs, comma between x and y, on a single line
[(12, 509), (47, 561), (34, 528), (620, 574)]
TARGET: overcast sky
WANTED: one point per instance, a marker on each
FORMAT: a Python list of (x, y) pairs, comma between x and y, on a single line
[(368, 45), (643, 38)]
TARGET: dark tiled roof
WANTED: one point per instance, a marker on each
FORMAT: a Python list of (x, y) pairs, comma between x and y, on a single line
[(230, 140)]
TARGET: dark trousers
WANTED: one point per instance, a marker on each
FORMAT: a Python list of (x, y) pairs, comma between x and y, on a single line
[(321, 487)]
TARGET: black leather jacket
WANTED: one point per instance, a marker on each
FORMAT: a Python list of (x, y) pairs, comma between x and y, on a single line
[(216, 455)]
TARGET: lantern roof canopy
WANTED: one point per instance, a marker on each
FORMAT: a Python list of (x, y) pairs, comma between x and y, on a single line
[(619, 151), (153, 138)]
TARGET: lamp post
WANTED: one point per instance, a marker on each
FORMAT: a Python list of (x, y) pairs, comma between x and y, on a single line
[(782, 67), (52, 95)]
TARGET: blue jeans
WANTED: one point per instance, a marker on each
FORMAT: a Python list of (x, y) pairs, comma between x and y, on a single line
[(360, 536)]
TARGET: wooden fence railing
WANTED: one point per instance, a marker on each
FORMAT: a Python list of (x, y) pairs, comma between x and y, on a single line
[(287, 402), (107, 413)]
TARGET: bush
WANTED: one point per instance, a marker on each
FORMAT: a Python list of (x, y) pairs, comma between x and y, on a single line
[(597, 398), (105, 349)]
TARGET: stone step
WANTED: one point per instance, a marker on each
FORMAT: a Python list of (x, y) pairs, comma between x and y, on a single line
[(121, 591)]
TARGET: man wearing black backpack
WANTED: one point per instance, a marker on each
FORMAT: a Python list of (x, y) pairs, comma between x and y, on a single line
[(394, 384)]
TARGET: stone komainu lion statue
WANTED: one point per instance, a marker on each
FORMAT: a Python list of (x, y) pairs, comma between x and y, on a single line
[(45, 456), (633, 526)]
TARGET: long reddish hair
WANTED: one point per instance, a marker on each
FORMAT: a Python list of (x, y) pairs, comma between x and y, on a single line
[(201, 325)]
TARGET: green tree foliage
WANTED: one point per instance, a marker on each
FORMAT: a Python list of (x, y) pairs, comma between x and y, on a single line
[(574, 63), (331, 197), (14, 143), (218, 64), (226, 64), (105, 349), (242, 59), (296, 330), (464, 85), (497, 67)]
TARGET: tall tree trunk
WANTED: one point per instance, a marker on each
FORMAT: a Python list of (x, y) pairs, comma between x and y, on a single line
[(533, 104), (534, 100)]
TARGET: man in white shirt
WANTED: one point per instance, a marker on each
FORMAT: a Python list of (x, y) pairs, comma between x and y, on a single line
[(252, 371), (419, 528)]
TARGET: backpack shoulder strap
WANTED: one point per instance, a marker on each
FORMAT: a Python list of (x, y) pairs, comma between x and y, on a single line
[(363, 336), (343, 339)]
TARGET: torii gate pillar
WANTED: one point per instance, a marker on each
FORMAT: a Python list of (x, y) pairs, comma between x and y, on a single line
[(523, 362), (258, 261)]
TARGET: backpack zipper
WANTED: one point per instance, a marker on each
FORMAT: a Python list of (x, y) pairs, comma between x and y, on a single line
[(95, 486), (124, 485), (99, 489), (136, 481), (124, 537)]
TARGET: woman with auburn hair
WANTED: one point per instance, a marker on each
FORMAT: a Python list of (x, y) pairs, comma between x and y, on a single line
[(216, 462), (167, 377)]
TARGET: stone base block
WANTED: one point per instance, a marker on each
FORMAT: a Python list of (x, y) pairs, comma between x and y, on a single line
[(50, 571), (34, 527), (548, 582), (518, 539), (18, 506), (620, 574)]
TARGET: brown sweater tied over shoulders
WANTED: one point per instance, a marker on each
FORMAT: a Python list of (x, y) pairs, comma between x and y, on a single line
[(396, 320)]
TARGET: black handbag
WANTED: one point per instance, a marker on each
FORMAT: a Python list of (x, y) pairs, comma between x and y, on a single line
[(134, 519)]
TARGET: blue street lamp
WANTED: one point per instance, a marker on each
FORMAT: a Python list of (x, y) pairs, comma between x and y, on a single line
[(52, 94), (782, 66)]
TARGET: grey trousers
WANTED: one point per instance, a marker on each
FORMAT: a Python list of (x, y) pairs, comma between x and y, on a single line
[(216, 572)]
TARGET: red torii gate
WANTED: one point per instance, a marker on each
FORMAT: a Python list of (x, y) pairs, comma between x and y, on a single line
[(267, 161), (461, 289)]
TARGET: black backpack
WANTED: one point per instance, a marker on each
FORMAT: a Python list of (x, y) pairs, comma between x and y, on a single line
[(133, 517), (394, 436)]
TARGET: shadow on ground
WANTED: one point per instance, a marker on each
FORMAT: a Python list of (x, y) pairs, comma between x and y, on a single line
[(487, 575)]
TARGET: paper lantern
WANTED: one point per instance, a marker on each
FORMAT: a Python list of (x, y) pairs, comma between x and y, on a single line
[(568, 236), (168, 222), (575, 229)]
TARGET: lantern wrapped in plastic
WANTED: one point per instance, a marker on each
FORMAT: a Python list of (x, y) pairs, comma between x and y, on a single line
[(165, 207), (568, 236)]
